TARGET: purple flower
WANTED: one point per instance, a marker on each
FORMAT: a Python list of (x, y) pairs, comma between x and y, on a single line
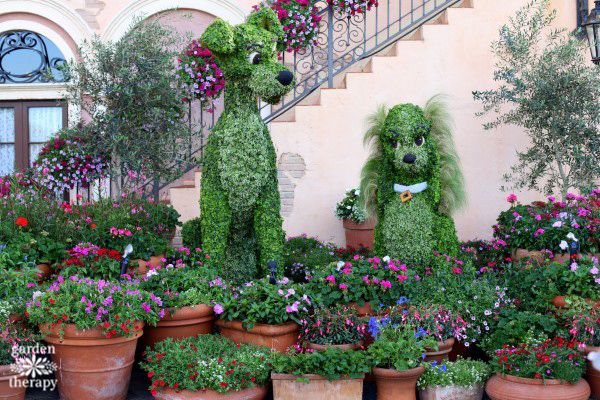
[(219, 309)]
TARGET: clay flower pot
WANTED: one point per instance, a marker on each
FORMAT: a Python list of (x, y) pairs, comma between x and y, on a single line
[(323, 347), (255, 393), (360, 234), (277, 337), (45, 272), (560, 302), (474, 392), (92, 366), (397, 385), (510, 387), (592, 375), (12, 391), (185, 322), (444, 349), (142, 265), (286, 387)]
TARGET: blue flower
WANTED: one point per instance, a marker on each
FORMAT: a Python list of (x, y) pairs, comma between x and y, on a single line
[(442, 368), (402, 300), (420, 332), (423, 356), (433, 363)]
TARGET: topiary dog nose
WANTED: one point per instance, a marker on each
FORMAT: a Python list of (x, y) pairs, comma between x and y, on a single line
[(409, 158), (285, 77)]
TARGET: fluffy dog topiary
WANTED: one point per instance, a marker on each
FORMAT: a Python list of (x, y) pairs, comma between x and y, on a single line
[(412, 181), (239, 202)]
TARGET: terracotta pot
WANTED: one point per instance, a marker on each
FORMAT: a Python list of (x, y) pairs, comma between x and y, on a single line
[(92, 366), (560, 302), (444, 349), (14, 390), (592, 375), (277, 337), (142, 269), (323, 347), (286, 387), (397, 385), (45, 272), (474, 392), (519, 254), (360, 234), (255, 393), (510, 387), (185, 322)]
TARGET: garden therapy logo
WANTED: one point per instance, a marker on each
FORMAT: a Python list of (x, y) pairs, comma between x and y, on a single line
[(29, 364)]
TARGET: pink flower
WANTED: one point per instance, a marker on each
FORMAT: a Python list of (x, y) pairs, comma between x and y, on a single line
[(386, 284), (219, 309), (574, 266), (366, 279), (512, 198), (457, 271), (330, 279), (343, 286), (594, 270)]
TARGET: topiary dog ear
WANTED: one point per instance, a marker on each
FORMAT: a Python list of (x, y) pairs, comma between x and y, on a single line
[(218, 37), (266, 18)]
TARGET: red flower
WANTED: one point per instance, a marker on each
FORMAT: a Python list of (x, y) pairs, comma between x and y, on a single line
[(154, 392), (150, 374), (51, 301), (537, 376), (93, 226), (65, 317), (224, 385), (22, 222)]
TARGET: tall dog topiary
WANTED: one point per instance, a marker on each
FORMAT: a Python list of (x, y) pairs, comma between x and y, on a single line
[(412, 181), (239, 202)]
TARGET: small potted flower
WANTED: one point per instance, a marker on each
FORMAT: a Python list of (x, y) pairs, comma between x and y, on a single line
[(12, 377), (359, 230), (87, 260), (580, 278), (94, 327), (549, 371), (263, 314), (396, 356), (462, 379), (186, 292), (332, 373), (207, 367), (149, 251), (336, 326)]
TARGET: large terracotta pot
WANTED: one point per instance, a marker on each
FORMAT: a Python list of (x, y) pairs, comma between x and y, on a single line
[(474, 392), (560, 302), (185, 322), (286, 387), (360, 234), (45, 271), (592, 375), (444, 349), (323, 347), (510, 387), (397, 385), (92, 366), (277, 337), (255, 393), (362, 311), (142, 265), (15, 390)]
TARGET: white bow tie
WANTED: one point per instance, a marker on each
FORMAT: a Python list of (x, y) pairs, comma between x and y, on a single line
[(416, 188)]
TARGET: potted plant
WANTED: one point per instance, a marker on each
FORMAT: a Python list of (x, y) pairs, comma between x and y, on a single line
[(548, 371), (186, 292), (149, 251), (396, 356), (207, 367), (462, 379), (17, 288), (299, 375), (94, 327), (304, 255), (336, 326), (87, 260), (359, 230), (13, 376), (263, 314), (580, 278)]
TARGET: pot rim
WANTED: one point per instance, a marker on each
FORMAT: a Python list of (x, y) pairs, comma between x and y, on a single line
[(387, 373), (262, 329), (288, 377), (531, 381), (348, 346), (7, 373), (71, 333), (368, 225), (188, 312)]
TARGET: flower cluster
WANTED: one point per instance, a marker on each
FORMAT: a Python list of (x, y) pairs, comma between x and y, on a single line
[(300, 21), (461, 373), (199, 75), (435, 320), (349, 207), (90, 261), (336, 325), (348, 8)]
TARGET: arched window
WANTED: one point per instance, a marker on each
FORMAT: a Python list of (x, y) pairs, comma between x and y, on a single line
[(28, 57)]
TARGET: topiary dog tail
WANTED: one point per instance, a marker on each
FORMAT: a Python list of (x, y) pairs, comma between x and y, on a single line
[(453, 196), (370, 172)]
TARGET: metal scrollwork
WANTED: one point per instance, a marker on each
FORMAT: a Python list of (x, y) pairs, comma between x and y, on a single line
[(25, 41)]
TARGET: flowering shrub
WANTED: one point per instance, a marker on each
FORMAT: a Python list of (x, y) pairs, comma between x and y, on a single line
[(461, 373), (117, 308), (580, 278), (335, 325), (583, 324), (63, 163), (87, 260), (553, 359), (349, 207), (333, 363), (199, 76), (435, 320), (352, 7), (259, 302), (300, 21), (547, 225), (206, 362)]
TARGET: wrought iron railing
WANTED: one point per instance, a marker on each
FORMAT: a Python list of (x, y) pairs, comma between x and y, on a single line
[(343, 41)]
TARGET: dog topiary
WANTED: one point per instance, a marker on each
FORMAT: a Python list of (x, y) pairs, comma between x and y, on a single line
[(239, 202), (412, 181)]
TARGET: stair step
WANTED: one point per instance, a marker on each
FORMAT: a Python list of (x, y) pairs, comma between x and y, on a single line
[(441, 19), (417, 34), (288, 116), (193, 185), (464, 4)]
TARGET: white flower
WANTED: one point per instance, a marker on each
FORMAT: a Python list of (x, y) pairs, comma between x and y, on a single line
[(386, 258), (563, 245), (152, 272), (357, 192), (340, 265), (571, 236), (557, 224)]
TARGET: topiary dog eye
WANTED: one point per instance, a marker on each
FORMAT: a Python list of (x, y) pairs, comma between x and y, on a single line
[(395, 144), (420, 141), (254, 58)]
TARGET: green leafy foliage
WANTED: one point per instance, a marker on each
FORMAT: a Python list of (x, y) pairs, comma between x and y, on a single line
[(191, 233), (580, 278), (16, 287), (206, 362), (333, 363), (461, 373), (349, 207)]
